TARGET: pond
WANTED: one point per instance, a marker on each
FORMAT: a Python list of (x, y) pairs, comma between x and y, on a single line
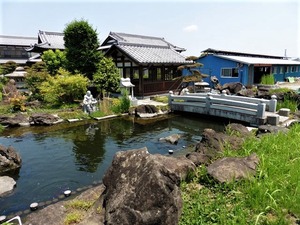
[(76, 155)]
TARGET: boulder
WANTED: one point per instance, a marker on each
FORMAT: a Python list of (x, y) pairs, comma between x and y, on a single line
[(232, 87), (17, 120), (145, 111), (212, 143), (238, 129), (233, 168), (173, 139), (144, 189), (198, 158), (43, 119), (7, 185), (10, 160)]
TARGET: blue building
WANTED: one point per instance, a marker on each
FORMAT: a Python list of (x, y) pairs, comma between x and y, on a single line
[(246, 68)]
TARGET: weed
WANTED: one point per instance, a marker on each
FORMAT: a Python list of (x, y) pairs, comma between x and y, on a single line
[(73, 217), (79, 204)]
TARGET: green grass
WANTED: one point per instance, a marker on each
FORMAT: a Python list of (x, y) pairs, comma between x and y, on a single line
[(272, 197), (163, 99), (267, 79)]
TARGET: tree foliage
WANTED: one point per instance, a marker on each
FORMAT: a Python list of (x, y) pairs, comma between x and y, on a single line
[(54, 60), (36, 75), (64, 88), (8, 67), (107, 77), (81, 43)]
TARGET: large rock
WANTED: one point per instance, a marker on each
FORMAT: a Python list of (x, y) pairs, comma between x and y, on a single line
[(13, 121), (144, 189), (213, 143), (233, 168), (10, 160), (7, 185), (43, 119), (146, 111)]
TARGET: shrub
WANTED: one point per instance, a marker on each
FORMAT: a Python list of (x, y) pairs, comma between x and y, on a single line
[(267, 79), (63, 89), (18, 103)]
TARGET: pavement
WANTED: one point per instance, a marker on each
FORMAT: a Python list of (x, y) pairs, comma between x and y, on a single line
[(148, 101)]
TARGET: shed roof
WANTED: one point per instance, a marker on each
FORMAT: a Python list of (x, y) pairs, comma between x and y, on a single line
[(17, 40), (259, 60)]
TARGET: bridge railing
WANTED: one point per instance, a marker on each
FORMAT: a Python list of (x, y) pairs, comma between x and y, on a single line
[(270, 104), (234, 107)]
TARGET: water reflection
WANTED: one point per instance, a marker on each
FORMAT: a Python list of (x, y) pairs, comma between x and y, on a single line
[(76, 155), (88, 147)]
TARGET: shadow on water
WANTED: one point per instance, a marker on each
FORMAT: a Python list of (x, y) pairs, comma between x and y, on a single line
[(76, 155)]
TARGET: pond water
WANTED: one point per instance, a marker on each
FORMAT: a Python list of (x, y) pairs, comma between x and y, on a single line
[(76, 155)]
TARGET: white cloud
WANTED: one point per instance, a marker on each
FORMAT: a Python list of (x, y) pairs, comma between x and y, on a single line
[(190, 28)]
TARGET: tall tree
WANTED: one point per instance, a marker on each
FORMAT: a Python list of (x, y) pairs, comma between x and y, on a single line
[(81, 43)]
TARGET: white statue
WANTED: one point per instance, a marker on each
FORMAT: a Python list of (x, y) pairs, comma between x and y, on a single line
[(89, 103)]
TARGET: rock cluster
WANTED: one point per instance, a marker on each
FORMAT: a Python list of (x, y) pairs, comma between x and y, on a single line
[(35, 119)]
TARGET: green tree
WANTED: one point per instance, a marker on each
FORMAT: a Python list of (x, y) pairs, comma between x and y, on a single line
[(8, 67), (107, 77), (64, 88), (54, 60), (81, 43), (36, 75)]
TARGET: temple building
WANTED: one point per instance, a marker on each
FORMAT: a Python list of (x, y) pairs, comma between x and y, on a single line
[(13, 48), (150, 62)]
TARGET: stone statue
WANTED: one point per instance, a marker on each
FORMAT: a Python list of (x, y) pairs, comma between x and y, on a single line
[(89, 103)]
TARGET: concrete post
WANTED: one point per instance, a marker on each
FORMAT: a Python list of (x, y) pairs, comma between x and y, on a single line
[(170, 99), (208, 102), (223, 93), (273, 103), (261, 109)]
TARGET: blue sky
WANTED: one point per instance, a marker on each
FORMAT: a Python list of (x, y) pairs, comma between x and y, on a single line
[(263, 27)]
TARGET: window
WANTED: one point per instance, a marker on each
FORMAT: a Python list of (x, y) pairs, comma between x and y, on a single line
[(287, 69), (145, 74), (168, 74), (293, 69), (281, 69), (158, 76), (135, 73), (229, 72), (274, 70), (127, 73)]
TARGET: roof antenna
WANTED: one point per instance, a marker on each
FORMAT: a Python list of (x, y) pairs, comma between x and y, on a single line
[(285, 56)]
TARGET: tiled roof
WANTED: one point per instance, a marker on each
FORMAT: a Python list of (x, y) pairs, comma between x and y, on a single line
[(141, 40), (16, 40), (259, 60), (144, 49), (49, 40), (53, 40), (145, 54)]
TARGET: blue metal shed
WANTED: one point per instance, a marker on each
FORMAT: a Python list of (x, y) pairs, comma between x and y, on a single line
[(246, 68)]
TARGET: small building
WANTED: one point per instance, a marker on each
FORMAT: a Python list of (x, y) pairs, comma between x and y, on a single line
[(13, 48), (150, 62), (246, 68)]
